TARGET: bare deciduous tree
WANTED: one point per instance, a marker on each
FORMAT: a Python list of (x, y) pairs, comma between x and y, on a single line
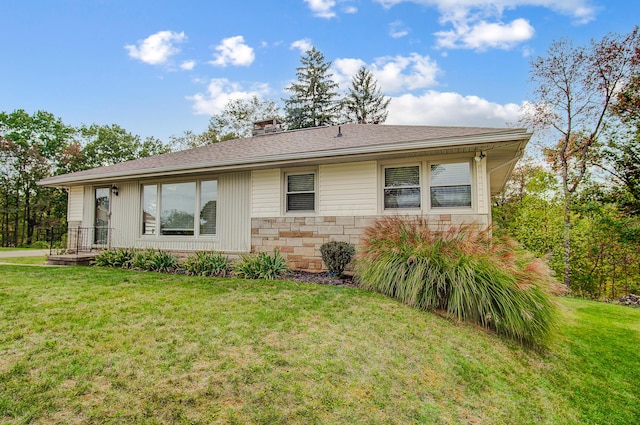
[(575, 87)]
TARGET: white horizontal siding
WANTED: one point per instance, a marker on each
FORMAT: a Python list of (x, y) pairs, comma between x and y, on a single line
[(75, 204), (348, 189), (265, 193)]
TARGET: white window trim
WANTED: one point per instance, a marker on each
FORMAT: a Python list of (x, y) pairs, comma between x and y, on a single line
[(425, 186), (196, 219), (472, 184), (383, 167), (297, 171), (94, 217)]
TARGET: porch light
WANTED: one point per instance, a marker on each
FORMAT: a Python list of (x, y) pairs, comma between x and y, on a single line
[(479, 156)]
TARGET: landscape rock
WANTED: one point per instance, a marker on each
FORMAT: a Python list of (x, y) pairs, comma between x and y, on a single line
[(630, 299)]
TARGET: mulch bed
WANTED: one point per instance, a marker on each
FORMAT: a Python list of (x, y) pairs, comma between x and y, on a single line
[(321, 278)]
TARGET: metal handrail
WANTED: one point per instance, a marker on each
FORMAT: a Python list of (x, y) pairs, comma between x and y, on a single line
[(88, 239)]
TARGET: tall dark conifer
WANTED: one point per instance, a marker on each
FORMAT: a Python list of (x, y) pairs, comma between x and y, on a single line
[(365, 103), (313, 96)]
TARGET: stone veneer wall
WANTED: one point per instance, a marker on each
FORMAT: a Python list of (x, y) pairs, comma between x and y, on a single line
[(299, 238)]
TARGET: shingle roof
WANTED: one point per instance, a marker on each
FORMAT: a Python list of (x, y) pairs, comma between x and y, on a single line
[(316, 142)]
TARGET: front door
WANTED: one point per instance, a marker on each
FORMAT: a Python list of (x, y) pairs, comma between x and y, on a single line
[(102, 215)]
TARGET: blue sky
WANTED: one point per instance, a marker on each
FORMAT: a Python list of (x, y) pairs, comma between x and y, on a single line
[(158, 68)]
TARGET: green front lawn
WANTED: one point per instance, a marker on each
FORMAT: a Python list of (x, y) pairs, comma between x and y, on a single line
[(94, 345), (25, 260)]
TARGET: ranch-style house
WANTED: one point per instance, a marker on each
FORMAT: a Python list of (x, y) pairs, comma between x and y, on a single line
[(291, 190)]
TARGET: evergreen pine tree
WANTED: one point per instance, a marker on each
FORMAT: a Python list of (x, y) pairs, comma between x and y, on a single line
[(312, 102), (364, 103)]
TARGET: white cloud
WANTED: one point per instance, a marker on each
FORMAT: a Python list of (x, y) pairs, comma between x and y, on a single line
[(233, 51), (343, 69), (581, 11), (397, 29), (187, 65), (157, 48), (350, 9), (483, 35), (527, 51), (303, 45), (322, 8), (405, 72), (219, 92), (477, 24), (446, 108), (393, 73)]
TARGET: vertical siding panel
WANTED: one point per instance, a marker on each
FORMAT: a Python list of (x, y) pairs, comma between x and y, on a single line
[(89, 205), (348, 189), (234, 220), (265, 193), (125, 215), (234, 206), (75, 208)]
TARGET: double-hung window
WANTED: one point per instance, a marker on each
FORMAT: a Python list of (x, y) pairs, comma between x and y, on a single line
[(450, 185), (402, 187), (169, 209), (300, 192)]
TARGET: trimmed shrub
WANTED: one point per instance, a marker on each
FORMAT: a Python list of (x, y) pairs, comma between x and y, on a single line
[(337, 255), (118, 257), (462, 271), (261, 266), (206, 264)]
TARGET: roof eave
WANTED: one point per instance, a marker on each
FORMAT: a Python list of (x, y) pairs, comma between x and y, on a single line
[(517, 135)]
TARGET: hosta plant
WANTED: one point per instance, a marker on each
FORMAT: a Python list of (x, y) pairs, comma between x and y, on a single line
[(204, 263), (117, 257), (154, 261), (261, 266)]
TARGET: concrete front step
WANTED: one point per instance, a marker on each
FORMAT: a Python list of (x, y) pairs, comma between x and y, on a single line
[(71, 259)]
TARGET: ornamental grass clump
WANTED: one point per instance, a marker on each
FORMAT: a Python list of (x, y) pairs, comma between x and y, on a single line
[(462, 271)]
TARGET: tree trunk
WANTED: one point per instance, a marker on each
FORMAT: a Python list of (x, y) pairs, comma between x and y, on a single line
[(567, 240), (16, 220), (27, 216)]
